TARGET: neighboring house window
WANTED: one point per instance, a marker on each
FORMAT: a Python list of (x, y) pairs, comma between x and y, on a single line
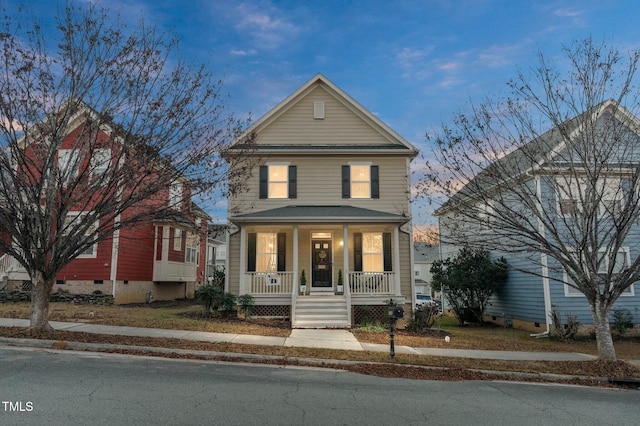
[(177, 239), (211, 255), (100, 161), (222, 252), (71, 221), (372, 251), (278, 181), (622, 262), (416, 273), (360, 181), (192, 250), (175, 196), (486, 216), (572, 193), (68, 164), (266, 252)]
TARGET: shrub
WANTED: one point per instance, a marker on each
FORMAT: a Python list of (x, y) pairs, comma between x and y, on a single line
[(564, 330), (622, 320), (214, 298), (245, 303), (422, 318)]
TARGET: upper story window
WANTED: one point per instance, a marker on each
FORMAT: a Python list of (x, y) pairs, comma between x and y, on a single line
[(278, 181), (175, 196), (573, 195), (100, 161), (68, 164), (75, 219), (621, 260), (360, 180)]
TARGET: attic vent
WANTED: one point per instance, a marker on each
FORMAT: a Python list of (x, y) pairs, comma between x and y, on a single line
[(318, 110)]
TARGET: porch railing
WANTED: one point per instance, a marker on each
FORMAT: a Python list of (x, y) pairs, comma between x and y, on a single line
[(269, 282), (371, 282)]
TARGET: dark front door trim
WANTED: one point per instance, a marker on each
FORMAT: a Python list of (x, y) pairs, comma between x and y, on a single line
[(321, 264)]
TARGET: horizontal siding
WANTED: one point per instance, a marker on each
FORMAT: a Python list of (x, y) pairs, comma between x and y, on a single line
[(97, 268), (135, 253), (320, 183), (339, 127)]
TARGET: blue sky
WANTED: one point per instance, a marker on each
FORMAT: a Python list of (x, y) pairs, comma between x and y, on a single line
[(411, 63)]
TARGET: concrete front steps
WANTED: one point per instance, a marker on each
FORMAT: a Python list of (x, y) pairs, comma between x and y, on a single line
[(321, 311)]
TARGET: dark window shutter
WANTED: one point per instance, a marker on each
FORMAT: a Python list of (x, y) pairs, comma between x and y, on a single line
[(375, 182), (282, 251), (252, 240), (357, 251), (264, 181), (293, 182), (386, 249), (346, 182)]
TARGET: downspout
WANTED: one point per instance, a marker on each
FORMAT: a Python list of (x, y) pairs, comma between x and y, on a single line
[(114, 256), (545, 266)]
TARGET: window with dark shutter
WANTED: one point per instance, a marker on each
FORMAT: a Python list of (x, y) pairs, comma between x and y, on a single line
[(251, 252), (357, 251), (386, 248), (346, 181), (264, 181), (293, 182), (375, 182), (282, 251)]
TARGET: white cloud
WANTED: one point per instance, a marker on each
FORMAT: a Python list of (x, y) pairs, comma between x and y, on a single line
[(267, 25)]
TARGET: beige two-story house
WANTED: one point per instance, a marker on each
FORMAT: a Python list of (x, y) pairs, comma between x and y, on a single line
[(322, 235)]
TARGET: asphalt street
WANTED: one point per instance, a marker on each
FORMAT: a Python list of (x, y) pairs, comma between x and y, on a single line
[(40, 386)]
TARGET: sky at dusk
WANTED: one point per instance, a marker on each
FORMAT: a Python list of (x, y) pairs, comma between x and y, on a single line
[(413, 64)]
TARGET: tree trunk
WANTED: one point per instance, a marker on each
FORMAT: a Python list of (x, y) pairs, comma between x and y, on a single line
[(40, 294), (604, 340)]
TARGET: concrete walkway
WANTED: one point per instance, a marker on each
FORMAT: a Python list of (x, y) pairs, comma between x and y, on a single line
[(310, 338)]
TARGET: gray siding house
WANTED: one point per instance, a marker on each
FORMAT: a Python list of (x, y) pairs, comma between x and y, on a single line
[(330, 201), (537, 283)]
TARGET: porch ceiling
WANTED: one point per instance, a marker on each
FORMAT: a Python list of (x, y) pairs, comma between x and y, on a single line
[(324, 214)]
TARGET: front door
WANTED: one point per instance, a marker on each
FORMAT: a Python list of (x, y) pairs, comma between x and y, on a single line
[(321, 263)]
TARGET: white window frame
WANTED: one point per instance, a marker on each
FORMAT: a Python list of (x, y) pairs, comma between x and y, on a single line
[(352, 181), (92, 252), (177, 239), (269, 254), (68, 158), (611, 194), (573, 292), (192, 249), (368, 255), (176, 195), (271, 183), (99, 164)]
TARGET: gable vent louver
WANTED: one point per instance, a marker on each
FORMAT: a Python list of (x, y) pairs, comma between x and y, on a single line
[(318, 110)]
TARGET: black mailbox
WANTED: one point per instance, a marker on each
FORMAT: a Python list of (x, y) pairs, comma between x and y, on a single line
[(395, 312)]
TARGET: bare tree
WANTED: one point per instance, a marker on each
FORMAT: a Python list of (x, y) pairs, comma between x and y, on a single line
[(566, 198), (96, 126)]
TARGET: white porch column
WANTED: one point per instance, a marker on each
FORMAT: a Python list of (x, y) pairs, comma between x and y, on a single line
[(295, 258), (345, 254), (243, 259), (396, 259)]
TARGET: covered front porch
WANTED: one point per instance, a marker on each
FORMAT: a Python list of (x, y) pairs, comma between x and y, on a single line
[(302, 258)]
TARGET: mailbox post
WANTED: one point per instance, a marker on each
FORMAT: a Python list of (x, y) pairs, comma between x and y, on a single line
[(394, 313)]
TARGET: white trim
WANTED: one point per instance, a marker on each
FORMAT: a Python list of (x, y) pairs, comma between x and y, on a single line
[(243, 260), (396, 259), (573, 292)]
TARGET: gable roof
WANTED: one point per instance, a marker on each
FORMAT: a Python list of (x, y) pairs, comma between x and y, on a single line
[(533, 155), (394, 142)]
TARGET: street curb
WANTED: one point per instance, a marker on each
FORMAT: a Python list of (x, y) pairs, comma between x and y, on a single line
[(240, 357)]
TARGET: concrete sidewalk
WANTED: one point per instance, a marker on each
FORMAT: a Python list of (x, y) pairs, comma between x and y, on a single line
[(310, 338)]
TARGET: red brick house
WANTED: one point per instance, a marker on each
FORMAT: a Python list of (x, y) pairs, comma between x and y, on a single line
[(162, 259)]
